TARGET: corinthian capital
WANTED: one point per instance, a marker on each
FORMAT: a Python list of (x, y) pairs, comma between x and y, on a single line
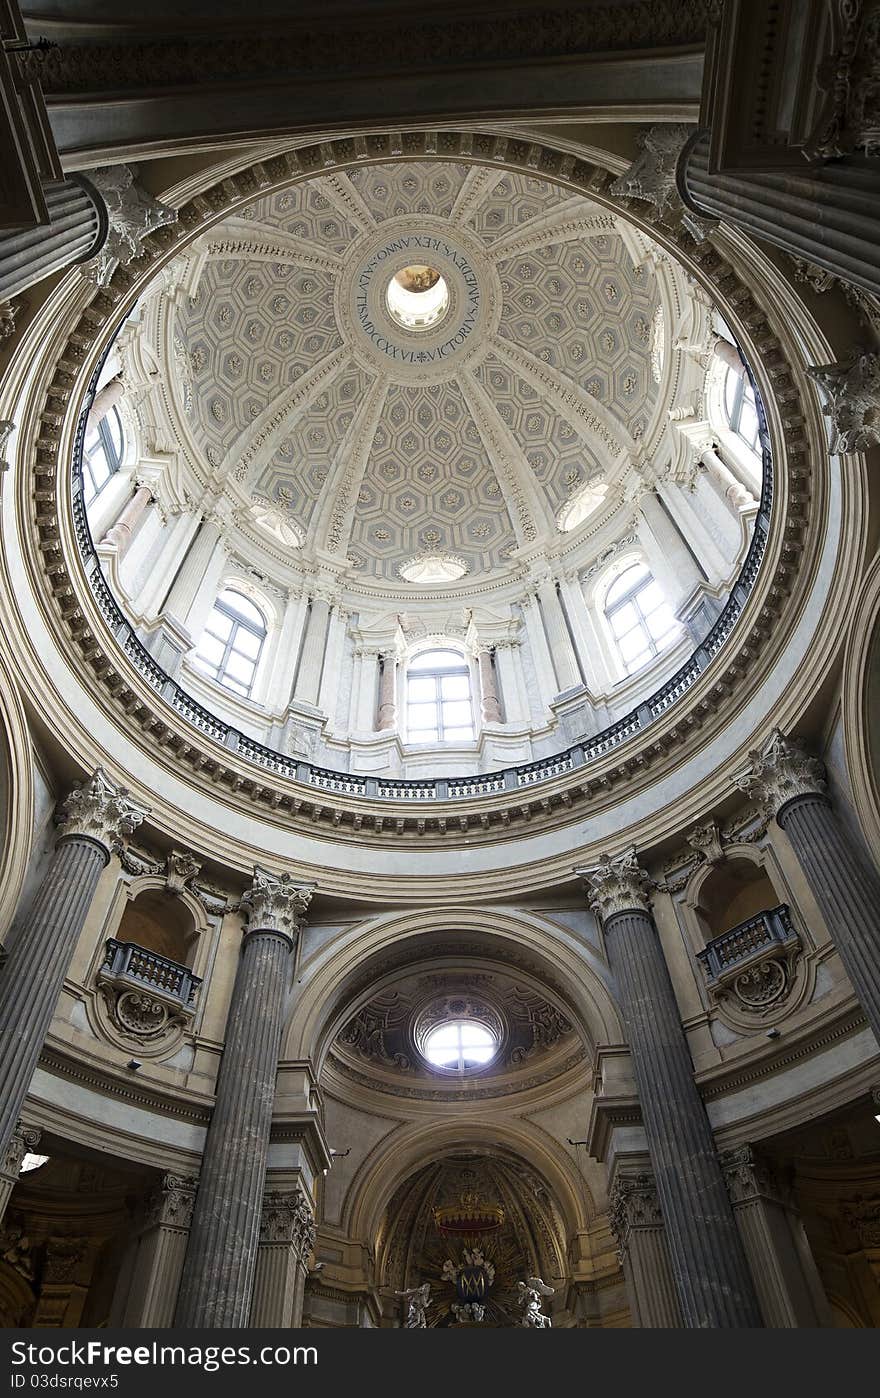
[(276, 902), (100, 810), (132, 214), (617, 885), (652, 174), (24, 1139), (779, 772)]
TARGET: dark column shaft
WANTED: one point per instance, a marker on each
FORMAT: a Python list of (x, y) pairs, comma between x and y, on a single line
[(32, 978), (846, 889), (708, 1263), (221, 1258), (826, 213), (77, 231)]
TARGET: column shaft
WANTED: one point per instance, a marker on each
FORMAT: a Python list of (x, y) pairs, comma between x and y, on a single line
[(311, 660), (105, 400), (708, 1263), (218, 1277), (32, 978), (644, 1254), (568, 675), (846, 889), (387, 712), (77, 230), (160, 1255), (193, 569), (490, 707), (120, 534), (827, 214)]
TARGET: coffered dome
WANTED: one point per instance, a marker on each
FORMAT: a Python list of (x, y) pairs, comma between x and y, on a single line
[(527, 373)]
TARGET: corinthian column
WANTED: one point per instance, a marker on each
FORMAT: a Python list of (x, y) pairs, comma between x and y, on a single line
[(791, 784), (641, 1242), (218, 1275), (709, 1267), (24, 1139), (91, 818), (287, 1236)]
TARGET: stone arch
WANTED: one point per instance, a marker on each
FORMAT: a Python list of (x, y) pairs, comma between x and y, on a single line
[(334, 984), (407, 1150)]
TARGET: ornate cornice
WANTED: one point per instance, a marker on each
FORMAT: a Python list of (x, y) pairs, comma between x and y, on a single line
[(313, 45)]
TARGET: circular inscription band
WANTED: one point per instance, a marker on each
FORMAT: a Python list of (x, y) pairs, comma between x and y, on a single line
[(420, 348)]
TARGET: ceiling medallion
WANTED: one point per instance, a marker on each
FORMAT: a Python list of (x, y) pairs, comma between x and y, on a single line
[(417, 299), (433, 569)]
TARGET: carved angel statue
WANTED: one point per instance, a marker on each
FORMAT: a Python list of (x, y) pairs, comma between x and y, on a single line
[(418, 1299), (530, 1296)]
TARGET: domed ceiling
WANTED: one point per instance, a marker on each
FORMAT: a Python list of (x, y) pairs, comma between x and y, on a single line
[(381, 442)]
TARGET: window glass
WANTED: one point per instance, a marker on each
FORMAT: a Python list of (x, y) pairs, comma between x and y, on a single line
[(741, 409), (102, 454), (460, 1046), (641, 620), (231, 643), (438, 699)]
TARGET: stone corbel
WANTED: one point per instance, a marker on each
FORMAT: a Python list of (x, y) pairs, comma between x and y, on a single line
[(180, 868)]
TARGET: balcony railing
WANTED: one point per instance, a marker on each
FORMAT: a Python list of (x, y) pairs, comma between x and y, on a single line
[(748, 942), (126, 964), (416, 792)]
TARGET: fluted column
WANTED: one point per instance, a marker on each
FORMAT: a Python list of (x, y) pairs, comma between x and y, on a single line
[(77, 230), (709, 1266), (489, 705), (565, 665), (542, 663), (387, 711), (365, 689), (827, 214), (788, 1284), (791, 784), (218, 1275), (513, 690), (161, 1249), (120, 534), (287, 1236), (91, 818), (23, 1139), (193, 568), (641, 1242), (311, 660)]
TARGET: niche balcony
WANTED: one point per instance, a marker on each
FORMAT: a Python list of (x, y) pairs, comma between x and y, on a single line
[(753, 965), (128, 967)]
